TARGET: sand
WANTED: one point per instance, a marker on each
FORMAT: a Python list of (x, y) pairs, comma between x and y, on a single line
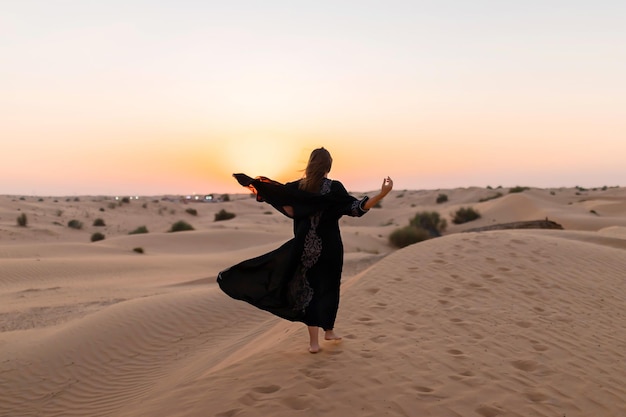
[(499, 323)]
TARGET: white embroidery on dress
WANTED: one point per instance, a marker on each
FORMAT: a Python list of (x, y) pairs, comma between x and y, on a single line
[(299, 286)]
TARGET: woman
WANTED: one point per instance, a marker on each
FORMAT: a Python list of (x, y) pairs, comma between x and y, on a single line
[(300, 280)]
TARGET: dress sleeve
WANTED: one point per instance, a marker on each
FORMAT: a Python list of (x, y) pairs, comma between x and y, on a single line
[(352, 206)]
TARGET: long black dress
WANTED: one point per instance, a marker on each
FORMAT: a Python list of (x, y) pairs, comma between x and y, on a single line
[(299, 281)]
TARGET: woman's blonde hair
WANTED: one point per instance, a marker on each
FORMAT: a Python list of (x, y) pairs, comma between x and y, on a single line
[(319, 165)]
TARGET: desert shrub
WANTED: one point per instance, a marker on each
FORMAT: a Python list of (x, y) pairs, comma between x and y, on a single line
[(518, 189), (99, 222), (97, 236), (40, 200), (224, 215), (491, 197), (225, 197), (22, 220), (76, 199), (138, 250), (125, 200), (442, 198), (464, 215), (429, 221), (268, 212), (192, 211), (181, 226), (139, 230), (408, 235), (75, 224), (101, 208), (111, 206)]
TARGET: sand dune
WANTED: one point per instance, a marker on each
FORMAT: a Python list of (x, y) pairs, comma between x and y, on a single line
[(501, 323)]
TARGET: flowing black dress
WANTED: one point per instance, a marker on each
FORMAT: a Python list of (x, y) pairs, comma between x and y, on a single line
[(299, 281)]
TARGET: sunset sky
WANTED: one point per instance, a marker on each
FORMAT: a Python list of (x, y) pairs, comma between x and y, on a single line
[(158, 97)]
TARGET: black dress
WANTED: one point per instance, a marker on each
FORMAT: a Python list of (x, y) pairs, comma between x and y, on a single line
[(299, 281)]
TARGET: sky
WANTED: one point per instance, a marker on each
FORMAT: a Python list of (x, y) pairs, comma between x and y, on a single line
[(154, 97)]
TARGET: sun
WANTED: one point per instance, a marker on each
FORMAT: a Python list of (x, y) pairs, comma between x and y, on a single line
[(269, 157)]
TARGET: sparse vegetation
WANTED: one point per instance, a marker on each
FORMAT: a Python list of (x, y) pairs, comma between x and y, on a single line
[(97, 236), (75, 224), (225, 197), (464, 215), (101, 208), (430, 221), (124, 200), (594, 212), (424, 225), (192, 211), (138, 250), (442, 198), (139, 230), (99, 222), (224, 215), (408, 235), (518, 189), (491, 197), (22, 220), (181, 226)]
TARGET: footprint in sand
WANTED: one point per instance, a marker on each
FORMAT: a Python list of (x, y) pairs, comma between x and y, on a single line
[(525, 365), (372, 290), (266, 389), (524, 324), (487, 411), (536, 397), (423, 389), (455, 352), (229, 413)]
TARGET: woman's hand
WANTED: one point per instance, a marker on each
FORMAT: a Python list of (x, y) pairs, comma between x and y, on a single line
[(386, 187), (384, 190)]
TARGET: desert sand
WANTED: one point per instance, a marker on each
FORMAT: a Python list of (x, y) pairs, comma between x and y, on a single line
[(497, 323)]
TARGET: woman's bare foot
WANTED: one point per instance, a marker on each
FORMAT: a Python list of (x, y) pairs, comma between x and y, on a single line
[(314, 345), (330, 335)]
